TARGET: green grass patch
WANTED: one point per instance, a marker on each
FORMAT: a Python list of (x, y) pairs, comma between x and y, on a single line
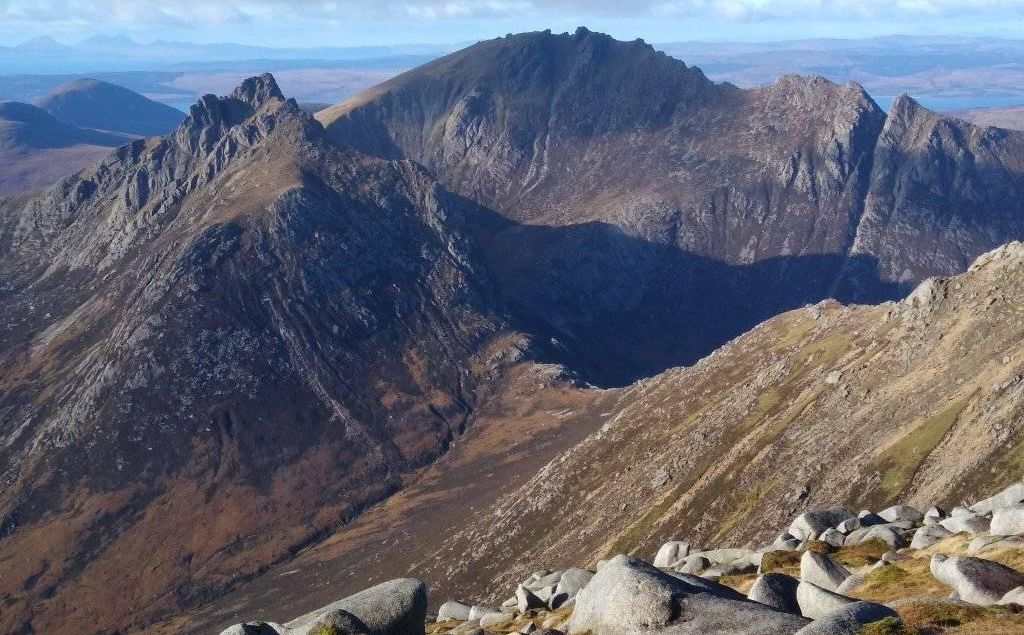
[(901, 460), (888, 574), (867, 552)]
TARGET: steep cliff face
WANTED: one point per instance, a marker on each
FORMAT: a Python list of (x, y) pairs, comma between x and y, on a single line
[(590, 129), (942, 192), (216, 346)]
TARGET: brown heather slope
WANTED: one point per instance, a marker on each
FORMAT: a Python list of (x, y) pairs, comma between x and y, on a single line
[(215, 347), (36, 149), (919, 401)]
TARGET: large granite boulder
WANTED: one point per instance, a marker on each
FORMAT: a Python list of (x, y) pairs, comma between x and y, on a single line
[(776, 590), (822, 570), (628, 596), (811, 523), (975, 580), (396, 607), (848, 619)]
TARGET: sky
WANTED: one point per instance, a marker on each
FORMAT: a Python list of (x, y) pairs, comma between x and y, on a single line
[(291, 23)]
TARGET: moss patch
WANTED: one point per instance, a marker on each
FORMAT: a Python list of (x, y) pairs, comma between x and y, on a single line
[(781, 562), (867, 552)]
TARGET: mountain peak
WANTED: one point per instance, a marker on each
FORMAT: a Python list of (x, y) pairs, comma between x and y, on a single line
[(904, 107), (211, 116), (258, 91)]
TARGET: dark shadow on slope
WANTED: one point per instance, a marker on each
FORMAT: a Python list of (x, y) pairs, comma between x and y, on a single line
[(616, 308)]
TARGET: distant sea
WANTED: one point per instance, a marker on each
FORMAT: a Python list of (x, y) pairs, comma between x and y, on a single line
[(955, 103)]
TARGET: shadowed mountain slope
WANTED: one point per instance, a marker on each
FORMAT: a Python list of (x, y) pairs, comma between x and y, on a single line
[(219, 347), (565, 129)]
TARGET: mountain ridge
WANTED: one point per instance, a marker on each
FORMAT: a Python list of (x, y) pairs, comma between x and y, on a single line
[(258, 326)]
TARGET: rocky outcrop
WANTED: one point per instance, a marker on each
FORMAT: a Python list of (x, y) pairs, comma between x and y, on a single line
[(627, 595), (664, 174), (238, 321)]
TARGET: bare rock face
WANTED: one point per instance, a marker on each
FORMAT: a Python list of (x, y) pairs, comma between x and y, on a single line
[(216, 346), (648, 180)]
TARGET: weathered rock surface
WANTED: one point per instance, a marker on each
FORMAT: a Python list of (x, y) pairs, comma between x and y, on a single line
[(848, 619), (810, 524), (776, 590), (975, 580), (1011, 495), (901, 512), (928, 535), (822, 571), (1008, 520), (671, 552), (452, 610), (630, 596), (816, 602)]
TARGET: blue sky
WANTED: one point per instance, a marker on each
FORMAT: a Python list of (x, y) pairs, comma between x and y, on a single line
[(375, 22)]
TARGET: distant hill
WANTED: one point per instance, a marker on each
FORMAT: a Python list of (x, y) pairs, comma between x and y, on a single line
[(1002, 117), (90, 103), (36, 149)]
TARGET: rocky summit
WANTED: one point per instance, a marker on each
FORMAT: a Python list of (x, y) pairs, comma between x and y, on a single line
[(833, 571), (549, 301)]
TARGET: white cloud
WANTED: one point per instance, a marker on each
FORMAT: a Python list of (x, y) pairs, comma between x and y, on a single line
[(139, 15)]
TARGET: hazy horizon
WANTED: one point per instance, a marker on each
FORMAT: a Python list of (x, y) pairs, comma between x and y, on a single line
[(319, 23)]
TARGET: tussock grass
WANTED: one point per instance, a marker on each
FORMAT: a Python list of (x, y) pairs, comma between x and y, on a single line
[(887, 626), (948, 617), (787, 562), (865, 553)]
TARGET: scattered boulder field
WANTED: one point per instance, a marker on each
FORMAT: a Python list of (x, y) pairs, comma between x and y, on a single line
[(835, 571)]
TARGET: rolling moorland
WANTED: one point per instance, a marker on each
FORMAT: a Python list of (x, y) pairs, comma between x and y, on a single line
[(510, 289)]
